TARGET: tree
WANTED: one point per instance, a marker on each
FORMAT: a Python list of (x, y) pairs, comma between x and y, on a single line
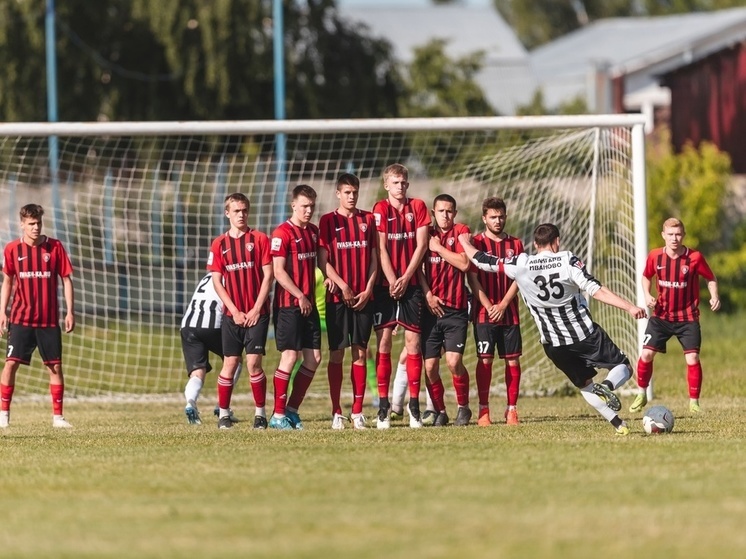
[(191, 59), (436, 85), (539, 21), (691, 185)]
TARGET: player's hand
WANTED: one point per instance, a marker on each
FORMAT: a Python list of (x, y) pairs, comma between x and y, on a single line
[(435, 244), (715, 303), (348, 297), (495, 313), (3, 324), (650, 301), (305, 305), (251, 318), (435, 304), (361, 299), (637, 312), (330, 286), (69, 322), (397, 289)]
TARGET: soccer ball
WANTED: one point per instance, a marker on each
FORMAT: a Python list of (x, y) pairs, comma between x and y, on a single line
[(658, 419)]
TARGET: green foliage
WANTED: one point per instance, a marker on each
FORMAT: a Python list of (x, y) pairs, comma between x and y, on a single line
[(730, 269), (435, 85), (191, 59), (690, 185)]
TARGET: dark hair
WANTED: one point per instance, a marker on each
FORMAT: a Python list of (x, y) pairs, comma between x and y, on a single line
[(445, 198), (493, 203), (304, 190), (237, 197), (348, 179), (545, 234), (34, 211)]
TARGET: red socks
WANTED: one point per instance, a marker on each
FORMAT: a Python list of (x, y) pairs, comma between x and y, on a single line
[(225, 391), (383, 373), (259, 388), (644, 373), (57, 391), (359, 374), (483, 374), (512, 382), (694, 379), (334, 372), (414, 374), (281, 382), (6, 395), (301, 382)]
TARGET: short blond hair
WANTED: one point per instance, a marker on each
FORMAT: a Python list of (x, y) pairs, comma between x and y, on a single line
[(673, 222), (395, 169)]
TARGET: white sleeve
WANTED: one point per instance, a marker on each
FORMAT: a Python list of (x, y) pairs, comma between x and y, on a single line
[(582, 277)]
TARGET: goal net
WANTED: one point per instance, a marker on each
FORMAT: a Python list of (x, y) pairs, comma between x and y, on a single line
[(137, 204)]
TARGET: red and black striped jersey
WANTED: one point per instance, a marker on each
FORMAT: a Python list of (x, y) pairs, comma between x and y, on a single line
[(400, 228), (350, 242), (35, 270), (298, 246), (446, 281), (496, 285), (240, 261), (677, 283)]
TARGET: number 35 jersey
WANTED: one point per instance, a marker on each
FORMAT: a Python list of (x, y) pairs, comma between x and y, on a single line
[(551, 284)]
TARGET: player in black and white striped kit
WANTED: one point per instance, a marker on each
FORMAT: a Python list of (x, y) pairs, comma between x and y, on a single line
[(200, 335), (550, 283)]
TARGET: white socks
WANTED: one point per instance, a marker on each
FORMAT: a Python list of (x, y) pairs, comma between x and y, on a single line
[(192, 390)]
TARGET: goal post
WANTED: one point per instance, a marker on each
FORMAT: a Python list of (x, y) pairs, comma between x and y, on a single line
[(137, 204)]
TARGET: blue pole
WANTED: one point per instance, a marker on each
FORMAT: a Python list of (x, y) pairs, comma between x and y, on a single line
[(109, 217), (221, 192), (280, 141), (51, 41), (156, 217)]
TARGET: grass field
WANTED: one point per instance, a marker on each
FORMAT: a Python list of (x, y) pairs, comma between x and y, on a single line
[(134, 480)]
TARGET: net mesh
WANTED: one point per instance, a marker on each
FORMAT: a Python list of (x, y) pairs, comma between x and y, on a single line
[(137, 214)]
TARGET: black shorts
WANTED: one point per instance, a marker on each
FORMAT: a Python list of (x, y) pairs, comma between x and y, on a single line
[(237, 339), (659, 331), (295, 331), (507, 339), (196, 345), (389, 312), (23, 340), (580, 360), (446, 332), (346, 327)]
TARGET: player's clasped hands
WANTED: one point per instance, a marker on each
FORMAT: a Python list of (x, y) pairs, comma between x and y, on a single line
[(495, 313), (397, 289), (361, 299)]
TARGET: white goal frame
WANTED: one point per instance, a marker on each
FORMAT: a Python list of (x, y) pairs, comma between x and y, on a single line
[(279, 129)]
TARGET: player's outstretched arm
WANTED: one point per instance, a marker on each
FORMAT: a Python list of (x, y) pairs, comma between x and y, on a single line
[(607, 296), (481, 260)]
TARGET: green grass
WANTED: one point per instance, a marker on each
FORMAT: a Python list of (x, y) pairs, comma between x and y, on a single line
[(134, 480)]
